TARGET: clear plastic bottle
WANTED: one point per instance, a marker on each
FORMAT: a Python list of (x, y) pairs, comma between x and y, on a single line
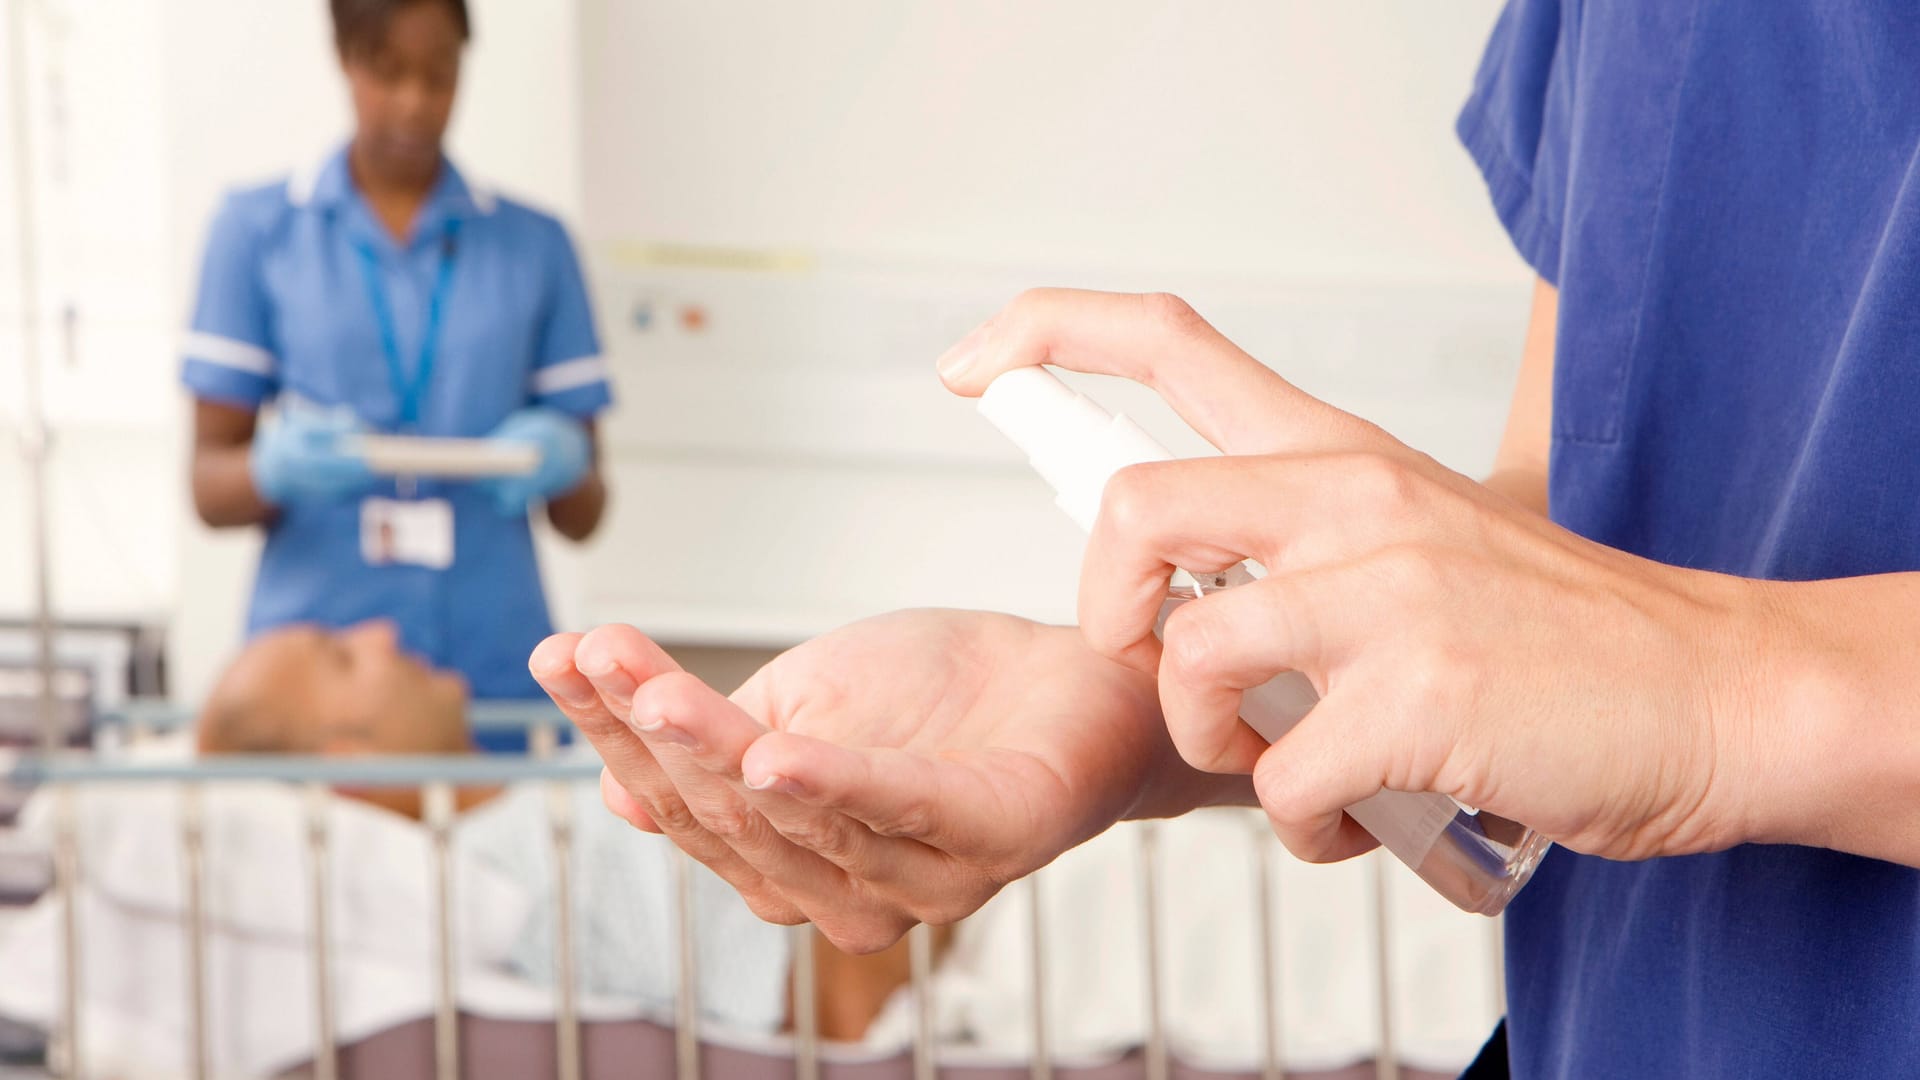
[(1478, 861)]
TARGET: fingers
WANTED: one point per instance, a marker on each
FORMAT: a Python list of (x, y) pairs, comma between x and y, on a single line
[(673, 748), (1149, 525), (624, 805), (1203, 516), (854, 882), (1334, 758), (670, 743), (1234, 401), (699, 737), (1333, 838), (1234, 655), (592, 678), (554, 666)]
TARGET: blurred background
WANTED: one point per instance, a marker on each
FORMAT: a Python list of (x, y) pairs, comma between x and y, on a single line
[(786, 212)]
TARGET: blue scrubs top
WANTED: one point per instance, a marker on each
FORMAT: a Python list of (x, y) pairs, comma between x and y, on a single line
[(285, 309), (1727, 194)]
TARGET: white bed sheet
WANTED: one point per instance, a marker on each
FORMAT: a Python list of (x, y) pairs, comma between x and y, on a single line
[(134, 977), (1441, 960)]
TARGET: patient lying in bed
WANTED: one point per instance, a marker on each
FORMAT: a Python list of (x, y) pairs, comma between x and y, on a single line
[(308, 690)]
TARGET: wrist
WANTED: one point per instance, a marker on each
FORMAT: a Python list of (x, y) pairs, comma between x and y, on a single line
[(1837, 739), (1174, 787), (1779, 715)]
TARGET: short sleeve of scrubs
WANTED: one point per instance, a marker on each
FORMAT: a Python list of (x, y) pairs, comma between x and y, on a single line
[(569, 373), (228, 351), (1516, 127)]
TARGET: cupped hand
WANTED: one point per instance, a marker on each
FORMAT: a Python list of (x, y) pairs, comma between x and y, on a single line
[(1461, 642), (898, 770)]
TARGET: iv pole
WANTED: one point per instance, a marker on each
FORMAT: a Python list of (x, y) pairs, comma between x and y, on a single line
[(34, 445), (34, 441)]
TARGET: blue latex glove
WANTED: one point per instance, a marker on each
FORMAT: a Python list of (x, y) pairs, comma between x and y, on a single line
[(565, 455), (297, 458)]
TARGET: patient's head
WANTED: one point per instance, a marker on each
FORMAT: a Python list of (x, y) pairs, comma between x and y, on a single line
[(310, 690)]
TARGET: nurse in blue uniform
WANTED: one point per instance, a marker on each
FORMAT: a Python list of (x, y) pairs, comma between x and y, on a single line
[(380, 291)]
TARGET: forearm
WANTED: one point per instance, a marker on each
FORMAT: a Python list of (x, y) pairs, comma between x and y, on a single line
[(1835, 695), (577, 514), (1520, 465), (223, 491)]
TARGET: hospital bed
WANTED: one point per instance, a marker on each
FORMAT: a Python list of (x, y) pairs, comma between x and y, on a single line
[(1005, 1003)]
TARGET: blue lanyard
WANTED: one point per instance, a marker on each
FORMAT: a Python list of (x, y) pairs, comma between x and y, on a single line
[(409, 392)]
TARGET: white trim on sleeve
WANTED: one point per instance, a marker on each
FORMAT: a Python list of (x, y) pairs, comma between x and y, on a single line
[(569, 375), (228, 353)]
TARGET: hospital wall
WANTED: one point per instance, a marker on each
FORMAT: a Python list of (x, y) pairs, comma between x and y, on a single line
[(792, 215), (786, 216)]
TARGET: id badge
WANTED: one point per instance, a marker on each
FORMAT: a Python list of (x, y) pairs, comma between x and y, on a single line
[(407, 532)]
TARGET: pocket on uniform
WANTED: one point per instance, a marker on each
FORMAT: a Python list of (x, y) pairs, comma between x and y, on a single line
[(1590, 367), (1626, 105)]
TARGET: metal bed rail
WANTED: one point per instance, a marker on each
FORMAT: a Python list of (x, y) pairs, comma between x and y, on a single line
[(438, 777), (145, 716)]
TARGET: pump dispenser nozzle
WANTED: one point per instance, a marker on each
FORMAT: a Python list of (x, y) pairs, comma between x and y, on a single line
[(1074, 444)]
